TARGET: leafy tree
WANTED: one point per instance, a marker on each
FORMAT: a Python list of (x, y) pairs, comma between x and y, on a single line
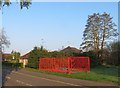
[(34, 58), (35, 55), (16, 56), (108, 30), (91, 34), (114, 53), (57, 54), (40, 52), (23, 3), (3, 40), (93, 58), (99, 30)]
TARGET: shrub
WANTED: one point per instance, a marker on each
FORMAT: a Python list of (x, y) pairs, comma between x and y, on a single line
[(93, 58), (13, 64)]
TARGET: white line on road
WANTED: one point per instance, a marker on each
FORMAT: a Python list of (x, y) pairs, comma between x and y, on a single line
[(17, 81), (48, 79), (8, 77), (23, 83), (28, 84)]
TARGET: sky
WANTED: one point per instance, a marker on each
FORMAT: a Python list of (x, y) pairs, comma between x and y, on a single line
[(51, 24)]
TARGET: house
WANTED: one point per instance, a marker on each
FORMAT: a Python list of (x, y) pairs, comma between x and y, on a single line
[(24, 59), (71, 50)]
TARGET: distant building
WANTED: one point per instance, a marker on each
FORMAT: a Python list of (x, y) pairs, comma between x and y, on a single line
[(24, 59), (70, 50)]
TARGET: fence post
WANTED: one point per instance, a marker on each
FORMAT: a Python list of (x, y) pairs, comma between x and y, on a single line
[(39, 63), (69, 70), (88, 64)]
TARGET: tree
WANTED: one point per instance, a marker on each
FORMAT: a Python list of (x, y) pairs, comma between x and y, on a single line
[(34, 58), (57, 54), (3, 40), (108, 30), (114, 53), (16, 56), (91, 34), (23, 3), (98, 31), (35, 55)]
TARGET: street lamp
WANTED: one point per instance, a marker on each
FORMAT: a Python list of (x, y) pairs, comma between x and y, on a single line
[(14, 60), (13, 57)]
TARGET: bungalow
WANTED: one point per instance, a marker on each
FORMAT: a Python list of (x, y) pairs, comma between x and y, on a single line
[(71, 50), (24, 59)]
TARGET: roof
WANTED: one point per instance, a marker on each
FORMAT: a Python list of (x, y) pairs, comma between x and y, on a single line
[(71, 49), (26, 56)]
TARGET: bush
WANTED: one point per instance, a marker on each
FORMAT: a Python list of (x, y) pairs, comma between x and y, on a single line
[(13, 64), (93, 58), (19, 65)]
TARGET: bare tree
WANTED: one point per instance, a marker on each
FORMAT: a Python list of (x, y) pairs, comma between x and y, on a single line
[(114, 53), (4, 42)]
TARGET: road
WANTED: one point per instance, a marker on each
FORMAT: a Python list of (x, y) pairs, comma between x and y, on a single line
[(28, 78)]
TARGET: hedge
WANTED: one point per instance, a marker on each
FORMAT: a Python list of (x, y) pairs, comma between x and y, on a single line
[(19, 65)]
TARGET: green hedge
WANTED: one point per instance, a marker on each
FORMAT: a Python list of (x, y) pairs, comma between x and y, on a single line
[(13, 64), (93, 58)]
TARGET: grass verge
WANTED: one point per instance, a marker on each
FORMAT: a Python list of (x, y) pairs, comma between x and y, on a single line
[(100, 74)]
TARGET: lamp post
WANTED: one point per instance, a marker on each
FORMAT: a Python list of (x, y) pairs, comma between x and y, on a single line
[(15, 60), (13, 57)]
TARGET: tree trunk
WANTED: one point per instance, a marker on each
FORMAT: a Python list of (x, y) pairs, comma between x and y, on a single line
[(102, 44), (98, 47)]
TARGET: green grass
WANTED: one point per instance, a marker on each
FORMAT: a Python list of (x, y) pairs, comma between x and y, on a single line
[(100, 74)]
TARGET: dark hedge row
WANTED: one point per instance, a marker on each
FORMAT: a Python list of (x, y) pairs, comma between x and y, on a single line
[(11, 64)]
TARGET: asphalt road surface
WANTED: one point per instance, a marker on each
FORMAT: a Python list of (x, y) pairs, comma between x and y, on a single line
[(28, 78)]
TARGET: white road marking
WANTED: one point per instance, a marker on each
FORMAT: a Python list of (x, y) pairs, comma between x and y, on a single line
[(8, 77), (48, 79), (17, 81), (28, 84), (23, 83)]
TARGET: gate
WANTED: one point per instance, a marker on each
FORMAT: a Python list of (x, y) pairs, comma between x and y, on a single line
[(66, 65)]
